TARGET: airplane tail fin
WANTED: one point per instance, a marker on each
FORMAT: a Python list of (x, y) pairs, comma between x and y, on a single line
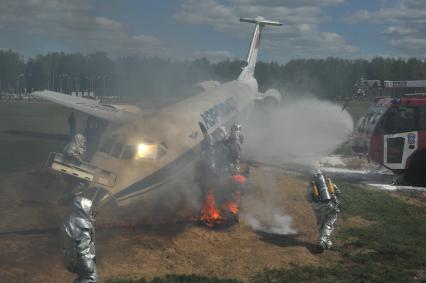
[(248, 70)]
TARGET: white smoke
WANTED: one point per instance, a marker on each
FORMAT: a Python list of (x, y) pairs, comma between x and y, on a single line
[(279, 224), (300, 132), (263, 212)]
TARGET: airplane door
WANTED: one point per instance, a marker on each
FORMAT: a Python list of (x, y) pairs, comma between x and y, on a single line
[(398, 148)]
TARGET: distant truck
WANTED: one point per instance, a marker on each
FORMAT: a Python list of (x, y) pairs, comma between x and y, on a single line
[(393, 131)]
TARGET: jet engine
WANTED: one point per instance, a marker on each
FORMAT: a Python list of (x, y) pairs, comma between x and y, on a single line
[(269, 100)]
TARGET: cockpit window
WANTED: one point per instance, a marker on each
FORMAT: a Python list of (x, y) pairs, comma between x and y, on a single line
[(150, 151), (401, 119), (404, 120), (129, 152), (147, 150), (161, 151), (117, 150), (107, 146)]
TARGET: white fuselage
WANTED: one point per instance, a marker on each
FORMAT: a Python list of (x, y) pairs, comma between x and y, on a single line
[(177, 128)]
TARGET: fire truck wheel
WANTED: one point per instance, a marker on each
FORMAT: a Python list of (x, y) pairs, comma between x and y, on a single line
[(99, 196), (416, 171)]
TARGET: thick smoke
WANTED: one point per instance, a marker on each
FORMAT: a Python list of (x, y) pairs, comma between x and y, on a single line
[(300, 132), (263, 212), (278, 224)]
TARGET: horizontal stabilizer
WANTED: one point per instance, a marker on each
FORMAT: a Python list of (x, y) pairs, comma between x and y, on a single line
[(260, 20)]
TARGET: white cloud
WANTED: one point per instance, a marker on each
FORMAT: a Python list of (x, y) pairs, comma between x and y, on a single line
[(109, 24), (300, 35), (289, 3), (359, 16), (74, 24), (405, 25)]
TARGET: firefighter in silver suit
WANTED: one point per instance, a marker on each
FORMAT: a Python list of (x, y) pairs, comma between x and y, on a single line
[(220, 134), (78, 231), (207, 152), (233, 145), (322, 193), (220, 150), (75, 150)]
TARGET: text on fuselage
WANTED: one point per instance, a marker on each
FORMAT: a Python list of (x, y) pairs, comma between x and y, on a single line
[(212, 116)]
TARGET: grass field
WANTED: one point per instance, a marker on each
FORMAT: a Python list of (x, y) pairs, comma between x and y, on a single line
[(28, 132), (388, 247), (380, 238)]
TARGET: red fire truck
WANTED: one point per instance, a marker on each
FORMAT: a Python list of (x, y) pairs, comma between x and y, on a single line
[(393, 131)]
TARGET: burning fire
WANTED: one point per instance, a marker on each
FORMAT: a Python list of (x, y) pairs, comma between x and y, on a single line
[(210, 215), (232, 206), (213, 214)]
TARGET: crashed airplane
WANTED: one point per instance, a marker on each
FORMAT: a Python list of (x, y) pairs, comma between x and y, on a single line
[(149, 151)]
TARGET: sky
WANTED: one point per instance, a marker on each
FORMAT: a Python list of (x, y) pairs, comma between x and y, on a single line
[(189, 29)]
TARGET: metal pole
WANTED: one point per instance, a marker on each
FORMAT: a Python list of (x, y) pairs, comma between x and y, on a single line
[(17, 82), (76, 83), (26, 82), (105, 83), (92, 83), (60, 81), (53, 81)]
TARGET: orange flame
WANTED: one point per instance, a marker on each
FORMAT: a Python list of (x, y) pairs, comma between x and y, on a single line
[(209, 213), (213, 213), (232, 207), (239, 179)]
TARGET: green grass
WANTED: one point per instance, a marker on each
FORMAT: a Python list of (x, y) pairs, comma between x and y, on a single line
[(398, 237), (39, 117), (390, 249), (177, 279)]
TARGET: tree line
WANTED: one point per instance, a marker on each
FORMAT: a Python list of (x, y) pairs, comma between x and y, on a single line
[(165, 79)]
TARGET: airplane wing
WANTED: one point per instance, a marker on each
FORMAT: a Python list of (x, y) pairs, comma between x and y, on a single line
[(108, 112)]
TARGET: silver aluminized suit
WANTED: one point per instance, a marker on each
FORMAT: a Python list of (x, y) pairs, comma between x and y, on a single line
[(208, 152), (233, 145), (78, 231), (220, 151), (76, 149), (322, 193)]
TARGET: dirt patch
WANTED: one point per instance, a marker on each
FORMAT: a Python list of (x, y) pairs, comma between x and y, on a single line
[(28, 202), (417, 198), (357, 222)]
